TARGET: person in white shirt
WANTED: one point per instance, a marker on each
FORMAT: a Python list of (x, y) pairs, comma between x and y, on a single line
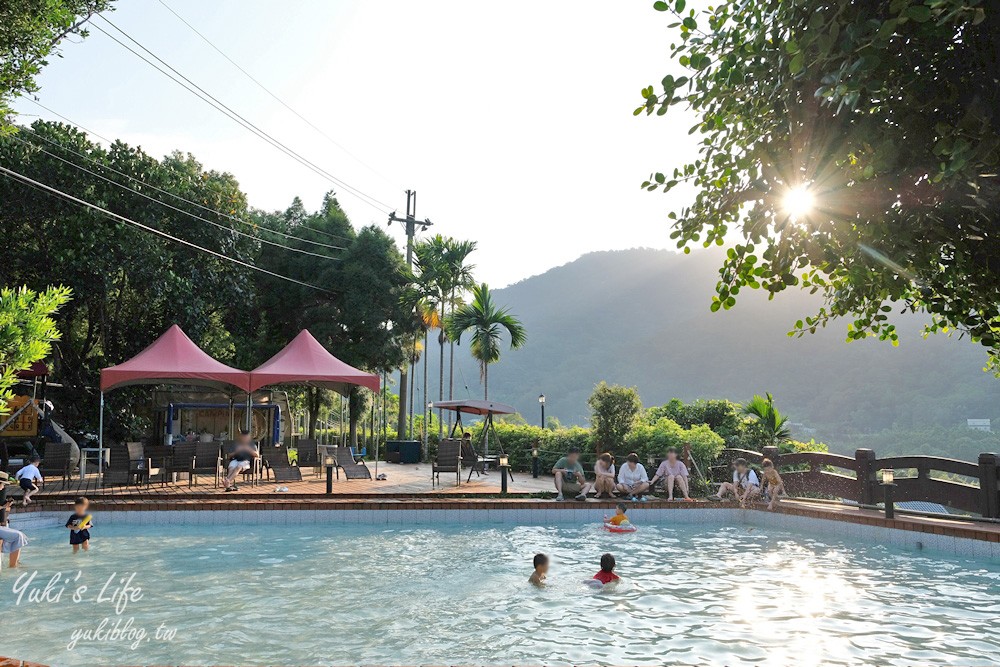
[(27, 476), (632, 478), (745, 485)]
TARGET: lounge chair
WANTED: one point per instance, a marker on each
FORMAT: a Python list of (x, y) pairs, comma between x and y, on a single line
[(206, 461), (352, 469), (275, 462), (449, 459)]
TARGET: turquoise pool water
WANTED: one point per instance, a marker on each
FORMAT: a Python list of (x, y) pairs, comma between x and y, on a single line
[(349, 595)]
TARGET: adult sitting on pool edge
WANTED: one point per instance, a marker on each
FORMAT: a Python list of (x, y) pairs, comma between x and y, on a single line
[(569, 476)]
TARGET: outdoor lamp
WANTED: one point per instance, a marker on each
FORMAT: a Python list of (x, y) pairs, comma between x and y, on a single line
[(888, 475), (534, 461), (504, 470), (541, 404), (329, 462), (541, 399)]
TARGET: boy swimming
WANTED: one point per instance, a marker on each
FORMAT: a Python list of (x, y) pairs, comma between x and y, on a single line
[(79, 525), (541, 563), (607, 573), (619, 518)]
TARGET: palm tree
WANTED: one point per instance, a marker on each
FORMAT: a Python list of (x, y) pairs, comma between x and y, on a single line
[(487, 323), (773, 422), (459, 278)]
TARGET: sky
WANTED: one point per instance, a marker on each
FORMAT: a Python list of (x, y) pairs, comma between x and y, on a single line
[(512, 121)]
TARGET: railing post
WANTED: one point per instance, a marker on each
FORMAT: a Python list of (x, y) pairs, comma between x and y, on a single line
[(865, 460), (989, 493)]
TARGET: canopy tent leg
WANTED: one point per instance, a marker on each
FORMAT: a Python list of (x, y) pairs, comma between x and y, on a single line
[(249, 408), (100, 444)]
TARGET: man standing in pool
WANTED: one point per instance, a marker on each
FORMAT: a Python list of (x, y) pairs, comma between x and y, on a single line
[(569, 476)]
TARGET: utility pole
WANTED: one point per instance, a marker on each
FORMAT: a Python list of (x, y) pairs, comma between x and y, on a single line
[(410, 223)]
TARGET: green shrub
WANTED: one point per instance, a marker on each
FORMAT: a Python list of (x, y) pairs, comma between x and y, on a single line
[(653, 440)]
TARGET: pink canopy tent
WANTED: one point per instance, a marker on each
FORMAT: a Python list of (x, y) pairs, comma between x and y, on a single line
[(173, 357), (304, 361)]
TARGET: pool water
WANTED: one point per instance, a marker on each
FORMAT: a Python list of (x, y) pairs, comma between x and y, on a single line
[(356, 595)]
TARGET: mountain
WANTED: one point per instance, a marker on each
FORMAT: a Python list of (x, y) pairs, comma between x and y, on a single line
[(640, 317)]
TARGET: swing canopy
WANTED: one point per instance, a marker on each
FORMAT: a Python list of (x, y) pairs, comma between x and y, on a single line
[(472, 406)]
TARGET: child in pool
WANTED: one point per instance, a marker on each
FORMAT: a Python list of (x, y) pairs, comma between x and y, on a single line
[(79, 525), (541, 564), (775, 485), (607, 573), (619, 519)]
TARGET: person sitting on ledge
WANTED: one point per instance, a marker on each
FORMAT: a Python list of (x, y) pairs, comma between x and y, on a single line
[(775, 485), (632, 478), (674, 473), (240, 459), (604, 476), (569, 476), (745, 485)]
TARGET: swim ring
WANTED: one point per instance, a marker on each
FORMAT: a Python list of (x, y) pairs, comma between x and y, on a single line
[(612, 528)]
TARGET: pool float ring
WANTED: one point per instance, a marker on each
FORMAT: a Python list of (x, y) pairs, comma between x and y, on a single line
[(626, 528)]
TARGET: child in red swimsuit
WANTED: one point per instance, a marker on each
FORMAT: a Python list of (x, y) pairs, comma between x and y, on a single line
[(607, 573)]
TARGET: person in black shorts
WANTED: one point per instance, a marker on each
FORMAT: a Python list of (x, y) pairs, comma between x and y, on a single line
[(241, 458), (79, 525)]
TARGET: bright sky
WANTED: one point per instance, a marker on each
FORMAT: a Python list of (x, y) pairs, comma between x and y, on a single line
[(513, 121)]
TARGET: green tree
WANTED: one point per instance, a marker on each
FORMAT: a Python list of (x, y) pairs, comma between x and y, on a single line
[(30, 32), (487, 322), (853, 146), (128, 286), (614, 411), (27, 331), (773, 422)]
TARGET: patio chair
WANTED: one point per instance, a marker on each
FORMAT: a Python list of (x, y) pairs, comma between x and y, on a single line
[(206, 461), (256, 470), (275, 462), (57, 461), (120, 470), (470, 459), (449, 459), (159, 457), (138, 464), (352, 469), (308, 454)]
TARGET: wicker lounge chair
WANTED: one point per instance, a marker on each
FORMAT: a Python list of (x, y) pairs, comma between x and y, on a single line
[(308, 454), (275, 462)]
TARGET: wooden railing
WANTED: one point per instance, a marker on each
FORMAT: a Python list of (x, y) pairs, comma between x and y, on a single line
[(857, 479)]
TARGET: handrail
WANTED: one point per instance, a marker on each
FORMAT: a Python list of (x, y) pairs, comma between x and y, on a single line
[(953, 466)]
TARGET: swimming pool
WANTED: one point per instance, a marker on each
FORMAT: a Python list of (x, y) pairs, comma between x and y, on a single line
[(336, 594)]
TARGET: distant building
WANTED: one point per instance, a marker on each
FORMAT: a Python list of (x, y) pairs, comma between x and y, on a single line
[(979, 425)]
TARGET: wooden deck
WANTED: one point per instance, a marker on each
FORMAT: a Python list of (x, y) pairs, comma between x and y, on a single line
[(401, 480)]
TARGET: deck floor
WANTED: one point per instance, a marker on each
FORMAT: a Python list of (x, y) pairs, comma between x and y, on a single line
[(401, 479)]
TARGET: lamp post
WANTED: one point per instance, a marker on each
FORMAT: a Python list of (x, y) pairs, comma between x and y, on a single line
[(504, 471), (887, 486), (534, 461), (541, 402), (329, 462)]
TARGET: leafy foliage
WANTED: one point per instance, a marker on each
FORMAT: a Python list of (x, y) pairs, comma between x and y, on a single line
[(613, 412), (27, 331), (774, 423), (30, 32), (885, 114)]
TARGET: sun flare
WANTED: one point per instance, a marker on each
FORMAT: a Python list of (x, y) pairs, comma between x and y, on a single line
[(799, 203)]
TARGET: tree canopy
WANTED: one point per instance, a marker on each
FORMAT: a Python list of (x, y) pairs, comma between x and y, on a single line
[(30, 32), (849, 148), (27, 331)]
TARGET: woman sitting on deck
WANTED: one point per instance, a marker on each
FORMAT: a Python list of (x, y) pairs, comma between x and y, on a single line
[(604, 470)]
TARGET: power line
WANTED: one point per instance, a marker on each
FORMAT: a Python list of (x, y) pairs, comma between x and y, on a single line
[(59, 193), (174, 208), (272, 94), (209, 99), (167, 192), (170, 194)]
